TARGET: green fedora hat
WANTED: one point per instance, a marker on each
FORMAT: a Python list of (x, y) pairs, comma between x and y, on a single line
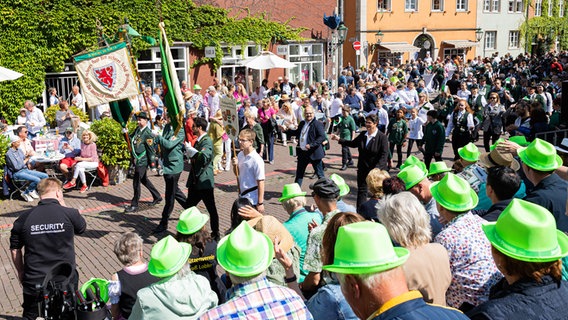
[(365, 247), (493, 146), (340, 182), (454, 193), (191, 220), (438, 167), (291, 190), (520, 140), (167, 257), (469, 152), (101, 283), (526, 231), (540, 155), (245, 252), (412, 160), (412, 175)]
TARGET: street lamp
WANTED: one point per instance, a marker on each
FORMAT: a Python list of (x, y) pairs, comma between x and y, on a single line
[(378, 38), (478, 34), (342, 33)]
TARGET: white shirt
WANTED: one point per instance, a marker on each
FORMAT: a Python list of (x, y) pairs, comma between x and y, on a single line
[(298, 111), (36, 117), (213, 104), (251, 168), (383, 117), (335, 107), (415, 128), (304, 136), (370, 136), (78, 101)]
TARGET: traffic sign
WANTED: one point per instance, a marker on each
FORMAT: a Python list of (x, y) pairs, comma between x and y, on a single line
[(356, 45)]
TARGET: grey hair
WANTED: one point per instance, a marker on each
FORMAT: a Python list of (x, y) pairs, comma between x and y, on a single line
[(127, 248), (370, 280), (291, 204), (238, 280), (183, 272), (406, 220)]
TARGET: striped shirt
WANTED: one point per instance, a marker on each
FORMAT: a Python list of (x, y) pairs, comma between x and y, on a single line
[(260, 299)]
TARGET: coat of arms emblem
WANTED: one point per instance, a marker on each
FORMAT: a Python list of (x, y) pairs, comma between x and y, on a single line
[(106, 75)]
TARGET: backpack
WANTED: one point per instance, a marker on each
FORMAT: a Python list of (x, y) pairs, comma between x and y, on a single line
[(57, 301)]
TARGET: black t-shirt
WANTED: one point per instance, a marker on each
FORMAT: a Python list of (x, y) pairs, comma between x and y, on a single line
[(47, 232)]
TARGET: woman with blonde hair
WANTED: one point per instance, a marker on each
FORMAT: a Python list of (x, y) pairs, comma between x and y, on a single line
[(88, 159), (428, 267), (374, 180), (289, 118)]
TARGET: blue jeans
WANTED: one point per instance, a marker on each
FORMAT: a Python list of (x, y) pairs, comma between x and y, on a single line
[(30, 175)]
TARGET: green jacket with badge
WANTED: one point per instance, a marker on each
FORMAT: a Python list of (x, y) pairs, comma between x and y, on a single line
[(143, 147), (172, 149), (201, 173)]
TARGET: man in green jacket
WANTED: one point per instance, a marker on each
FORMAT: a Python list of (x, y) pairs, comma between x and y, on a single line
[(434, 137), (142, 143), (201, 181), (172, 147)]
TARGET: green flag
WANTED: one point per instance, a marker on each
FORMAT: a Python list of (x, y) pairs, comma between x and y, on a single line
[(120, 111), (173, 99)]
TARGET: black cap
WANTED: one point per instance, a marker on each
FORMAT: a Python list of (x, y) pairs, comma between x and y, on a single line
[(474, 86), (325, 188)]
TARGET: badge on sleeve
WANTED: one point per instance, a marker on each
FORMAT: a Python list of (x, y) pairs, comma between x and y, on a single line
[(149, 141)]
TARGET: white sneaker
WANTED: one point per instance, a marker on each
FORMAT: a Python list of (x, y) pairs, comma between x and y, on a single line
[(34, 194), (27, 197)]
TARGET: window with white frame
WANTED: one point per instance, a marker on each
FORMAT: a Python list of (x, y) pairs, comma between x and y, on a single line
[(486, 5), (490, 37), (384, 5), (550, 8), (561, 8), (461, 5), (514, 39), (491, 5), (411, 5), (515, 6), (437, 5), (149, 65), (538, 8)]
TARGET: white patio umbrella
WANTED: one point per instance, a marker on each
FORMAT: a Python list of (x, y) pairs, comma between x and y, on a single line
[(267, 60), (7, 74)]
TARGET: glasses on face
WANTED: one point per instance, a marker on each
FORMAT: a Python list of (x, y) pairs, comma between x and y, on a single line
[(492, 98), (308, 113), (68, 132)]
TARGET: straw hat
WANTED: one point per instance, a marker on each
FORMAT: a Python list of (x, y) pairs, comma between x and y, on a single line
[(365, 247), (496, 158), (526, 231), (187, 95), (273, 228)]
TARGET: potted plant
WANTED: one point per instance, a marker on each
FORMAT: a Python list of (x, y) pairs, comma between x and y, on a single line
[(113, 148)]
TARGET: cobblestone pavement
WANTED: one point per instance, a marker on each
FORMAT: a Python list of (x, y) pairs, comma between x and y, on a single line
[(103, 208)]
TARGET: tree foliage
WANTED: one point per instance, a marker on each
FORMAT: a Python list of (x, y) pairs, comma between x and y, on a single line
[(546, 29), (39, 36)]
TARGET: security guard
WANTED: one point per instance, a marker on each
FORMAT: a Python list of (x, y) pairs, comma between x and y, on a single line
[(143, 153)]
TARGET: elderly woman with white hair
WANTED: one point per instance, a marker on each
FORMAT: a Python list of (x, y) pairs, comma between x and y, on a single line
[(428, 268), (132, 277)]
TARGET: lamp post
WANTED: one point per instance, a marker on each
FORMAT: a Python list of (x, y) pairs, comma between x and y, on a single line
[(375, 46), (478, 37), (341, 36)]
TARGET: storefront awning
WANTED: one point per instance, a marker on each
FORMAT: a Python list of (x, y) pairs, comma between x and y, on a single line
[(460, 44), (398, 47)]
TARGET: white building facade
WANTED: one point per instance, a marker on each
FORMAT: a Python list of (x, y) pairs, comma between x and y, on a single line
[(500, 21)]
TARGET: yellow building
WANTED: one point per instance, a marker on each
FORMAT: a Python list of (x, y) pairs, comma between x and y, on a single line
[(401, 30)]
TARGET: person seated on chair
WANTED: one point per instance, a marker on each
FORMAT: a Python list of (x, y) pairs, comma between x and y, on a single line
[(17, 164), (70, 147), (65, 117), (88, 159)]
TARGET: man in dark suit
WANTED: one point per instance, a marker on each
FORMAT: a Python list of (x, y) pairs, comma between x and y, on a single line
[(373, 153), (311, 135), (201, 181)]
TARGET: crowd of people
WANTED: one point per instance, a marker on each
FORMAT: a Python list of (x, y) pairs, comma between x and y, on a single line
[(484, 238)]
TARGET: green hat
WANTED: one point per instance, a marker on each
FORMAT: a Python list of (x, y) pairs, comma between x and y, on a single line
[(414, 160), (520, 140), (196, 87), (191, 220), (245, 252), (365, 247), (540, 155), (143, 115), (493, 146), (291, 190), (103, 286), (469, 152), (454, 193), (167, 257), (412, 175), (438, 167), (340, 182), (526, 231)]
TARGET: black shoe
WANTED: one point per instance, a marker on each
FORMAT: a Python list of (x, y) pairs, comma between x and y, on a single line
[(160, 228), (156, 201), (215, 236), (343, 167), (130, 209), (350, 163)]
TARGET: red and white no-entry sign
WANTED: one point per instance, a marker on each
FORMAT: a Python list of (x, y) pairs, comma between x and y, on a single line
[(356, 45)]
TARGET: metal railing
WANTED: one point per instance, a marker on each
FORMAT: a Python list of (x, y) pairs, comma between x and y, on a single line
[(555, 137)]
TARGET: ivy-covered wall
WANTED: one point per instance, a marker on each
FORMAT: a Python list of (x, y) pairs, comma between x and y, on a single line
[(40, 35), (543, 30)]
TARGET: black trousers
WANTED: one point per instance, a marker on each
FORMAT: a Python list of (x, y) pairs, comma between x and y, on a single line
[(398, 152), (419, 143), (141, 177), (362, 189), (345, 155), (488, 135), (459, 140), (428, 159), (173, 193), (303, 161), (194, 196)]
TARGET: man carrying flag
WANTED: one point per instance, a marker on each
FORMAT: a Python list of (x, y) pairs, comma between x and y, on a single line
[(171, 140)]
